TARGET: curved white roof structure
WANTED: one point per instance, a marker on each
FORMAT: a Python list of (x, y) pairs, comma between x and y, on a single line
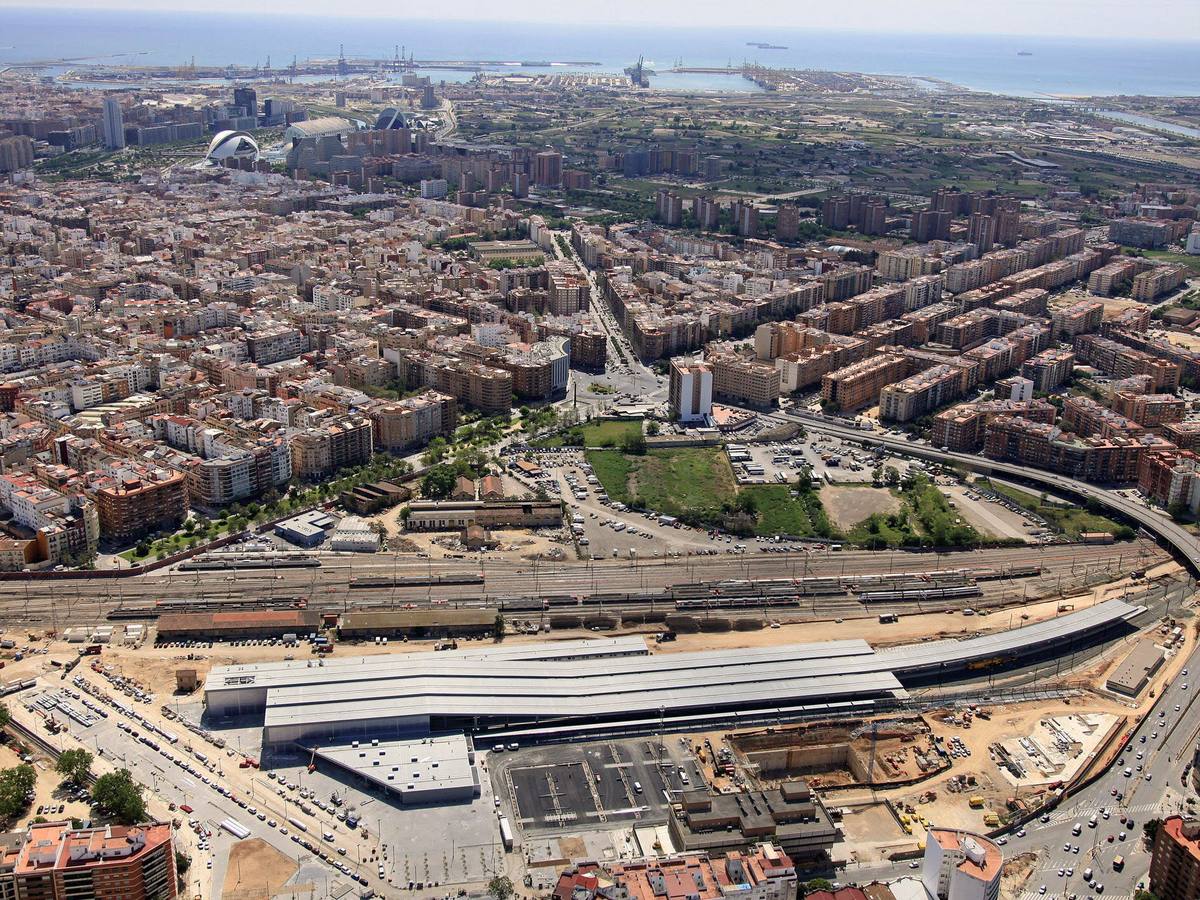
[(580, 683), (322, 127), (231, 145)]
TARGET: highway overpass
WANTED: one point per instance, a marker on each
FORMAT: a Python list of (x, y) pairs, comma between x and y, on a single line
[(1178, 539)]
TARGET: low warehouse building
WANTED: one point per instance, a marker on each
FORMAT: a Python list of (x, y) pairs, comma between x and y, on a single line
[(417, 623), (305, 530), (1136, 669), (237, 624), (455, 515), (790, 816)]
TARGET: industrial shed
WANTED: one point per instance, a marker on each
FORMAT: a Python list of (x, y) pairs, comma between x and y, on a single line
[(436, 622), (1136, 669), (236, 624)]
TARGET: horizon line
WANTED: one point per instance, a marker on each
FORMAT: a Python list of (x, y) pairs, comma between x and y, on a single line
[(613, 26)]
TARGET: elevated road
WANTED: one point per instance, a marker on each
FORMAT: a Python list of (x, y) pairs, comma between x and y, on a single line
[(1181, 542)]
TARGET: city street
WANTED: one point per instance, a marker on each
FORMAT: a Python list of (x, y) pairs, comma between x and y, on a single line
[(1166, 743)]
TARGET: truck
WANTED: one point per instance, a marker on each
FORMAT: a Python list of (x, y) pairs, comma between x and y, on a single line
[(888, 618), (976, 802), (1118, 863), (664, 637), (506, 834)]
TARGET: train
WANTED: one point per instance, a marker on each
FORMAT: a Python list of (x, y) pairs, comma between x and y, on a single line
[(362, 582), (953, 592), (223, 561)]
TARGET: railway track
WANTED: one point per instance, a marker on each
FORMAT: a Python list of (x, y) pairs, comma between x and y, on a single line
[(396, 582)]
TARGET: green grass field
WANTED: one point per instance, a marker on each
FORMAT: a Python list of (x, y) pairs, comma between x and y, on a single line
[(594, 434), (689, 481), (697, 485), (926, 518), (885, 530), (1069, 520), (1192, 262), (781, 513)]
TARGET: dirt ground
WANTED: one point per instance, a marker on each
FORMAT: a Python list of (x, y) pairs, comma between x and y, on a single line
[(1189, 340), (1114, 306), (848, 506), (1016, 873), (874, 821), (257, 871), (985, 517)]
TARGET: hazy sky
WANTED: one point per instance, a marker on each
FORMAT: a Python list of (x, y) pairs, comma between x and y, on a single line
[(1169, 19)]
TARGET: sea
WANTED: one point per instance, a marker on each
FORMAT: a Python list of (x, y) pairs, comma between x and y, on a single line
[(1018, 66)]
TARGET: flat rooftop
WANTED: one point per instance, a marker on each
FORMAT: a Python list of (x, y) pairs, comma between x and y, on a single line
[(418, 766)]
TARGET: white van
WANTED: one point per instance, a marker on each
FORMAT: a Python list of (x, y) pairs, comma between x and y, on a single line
[(637, 787)]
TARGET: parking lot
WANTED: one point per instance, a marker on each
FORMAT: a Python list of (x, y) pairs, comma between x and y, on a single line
[(591, 786)]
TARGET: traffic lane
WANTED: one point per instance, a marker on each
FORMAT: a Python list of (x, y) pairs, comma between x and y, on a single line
[(1184, 542), (173, 784), (1139, 799), (1163, 758)]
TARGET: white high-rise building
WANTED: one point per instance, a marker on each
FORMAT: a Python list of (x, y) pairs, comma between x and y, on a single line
[(960, 865), (114, 125), (691, 390)]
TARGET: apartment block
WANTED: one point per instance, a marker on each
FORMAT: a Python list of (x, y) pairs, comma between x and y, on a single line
[(1085, 417), (930, 225), (412, 422), (764, 872), (1112, 277), (53, 861), (322, 450), (1149, 410), (1081, 317), (923, 392), (1153, 283), (1116, 459), (589, 350), (136, 504), (743, 380), (1121, 361), (961, 428), (861, 384), (1148, 234), (1171, 478), (1184, 435), (691, 391), (1049, 369), (1175, 863)]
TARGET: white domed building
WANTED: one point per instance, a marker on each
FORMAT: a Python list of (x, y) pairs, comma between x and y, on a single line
[(231, 145)]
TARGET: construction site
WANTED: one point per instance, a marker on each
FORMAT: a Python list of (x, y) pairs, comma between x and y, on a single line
[(837, 754)]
